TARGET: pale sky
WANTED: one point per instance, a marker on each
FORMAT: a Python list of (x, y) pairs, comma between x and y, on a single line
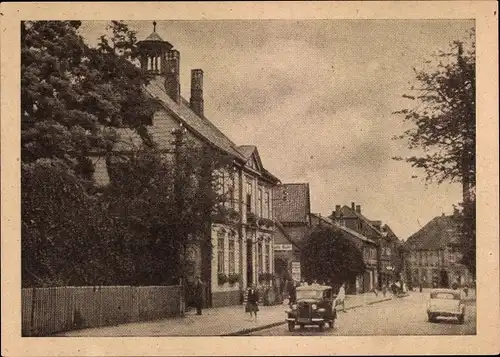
[(316, 97)]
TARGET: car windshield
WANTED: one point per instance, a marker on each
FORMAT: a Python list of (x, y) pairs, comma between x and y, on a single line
[(309, 294), (445, 296)]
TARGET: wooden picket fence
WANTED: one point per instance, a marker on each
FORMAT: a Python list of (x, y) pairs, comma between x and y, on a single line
[(46, 311)]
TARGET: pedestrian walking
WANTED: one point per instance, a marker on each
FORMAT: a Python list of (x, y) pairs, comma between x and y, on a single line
[(340, 299), (252, 300), (199, 295), (466, 290)]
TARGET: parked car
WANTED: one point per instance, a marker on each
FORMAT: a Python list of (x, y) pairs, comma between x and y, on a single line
[(446, 302), (314, 306)]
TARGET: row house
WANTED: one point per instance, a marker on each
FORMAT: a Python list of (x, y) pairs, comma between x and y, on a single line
[(242, 247), (367, 281), (294, 224), (293, 209), (432, 255), (387, 242)]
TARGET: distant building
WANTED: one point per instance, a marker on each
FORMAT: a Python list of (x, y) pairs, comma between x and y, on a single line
[(432, 255), (396, 256), (292, 209), (287, 254), (387, 252), (243, 248), (367, 281)]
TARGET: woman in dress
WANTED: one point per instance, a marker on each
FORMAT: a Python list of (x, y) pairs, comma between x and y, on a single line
[(252, 300)]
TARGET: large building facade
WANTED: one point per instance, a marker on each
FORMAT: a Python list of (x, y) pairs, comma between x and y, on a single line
[(242, 246), (432, 255)]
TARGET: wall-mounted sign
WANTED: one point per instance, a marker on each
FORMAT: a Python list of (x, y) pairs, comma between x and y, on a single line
[(296, 271), (282, 247)]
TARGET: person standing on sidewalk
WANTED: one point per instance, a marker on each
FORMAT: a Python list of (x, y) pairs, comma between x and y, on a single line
[(252, 300), (340, 299), (199, 295)]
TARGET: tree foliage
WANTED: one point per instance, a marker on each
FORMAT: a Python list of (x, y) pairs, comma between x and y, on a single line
[(444, 116), (444, 128), (331, 257), (74, 97)]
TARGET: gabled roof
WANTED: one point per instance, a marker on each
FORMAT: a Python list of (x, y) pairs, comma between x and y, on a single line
[(247, 150), (250, 152), (292, 203), (348, 212), (390, 234), (199, 125), (343, 228), (437, 234)]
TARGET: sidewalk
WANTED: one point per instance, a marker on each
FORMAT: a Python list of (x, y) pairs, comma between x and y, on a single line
[(230, 320)]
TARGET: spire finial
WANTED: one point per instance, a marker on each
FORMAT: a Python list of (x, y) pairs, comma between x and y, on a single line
[(154, 26)]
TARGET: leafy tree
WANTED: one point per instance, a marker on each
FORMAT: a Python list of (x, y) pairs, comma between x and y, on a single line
[(71, 95), (143, 196), (444, 118), (329, 256), (134, 231)]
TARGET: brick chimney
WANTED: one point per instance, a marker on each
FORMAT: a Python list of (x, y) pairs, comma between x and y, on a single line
[(353, 206), (358, 209), (196, 100), (172, 72)]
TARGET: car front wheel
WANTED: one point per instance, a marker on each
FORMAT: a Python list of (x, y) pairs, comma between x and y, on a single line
[(461, 319), (431, 317), (291, 326), (321, 325)]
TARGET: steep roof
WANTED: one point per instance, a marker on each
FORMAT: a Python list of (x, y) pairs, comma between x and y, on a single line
[(154, 37), (199, 125), (437, 234), (247, 150), (348, 212), (390, 234), (250, 151), (292, 203), (343, 228)]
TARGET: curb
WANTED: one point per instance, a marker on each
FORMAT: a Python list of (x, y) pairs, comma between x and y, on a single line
[(274, 324), (254, 329)]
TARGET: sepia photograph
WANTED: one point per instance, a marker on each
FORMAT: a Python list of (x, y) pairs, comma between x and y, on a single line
[(251, 177)]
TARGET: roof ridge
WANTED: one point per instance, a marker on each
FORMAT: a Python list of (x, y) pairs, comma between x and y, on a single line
[(369, 222), (154, 85)]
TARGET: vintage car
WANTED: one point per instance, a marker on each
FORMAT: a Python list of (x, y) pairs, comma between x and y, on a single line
[(446, 302), (314, 306)]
